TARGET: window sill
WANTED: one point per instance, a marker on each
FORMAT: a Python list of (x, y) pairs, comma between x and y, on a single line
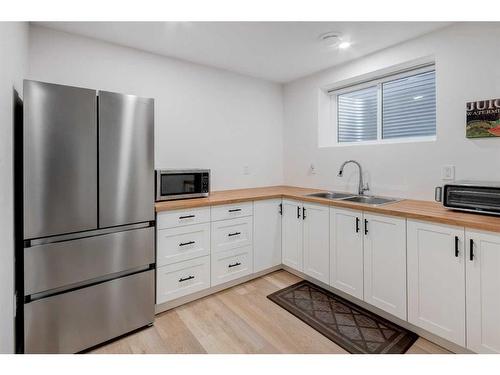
[(383, 142)]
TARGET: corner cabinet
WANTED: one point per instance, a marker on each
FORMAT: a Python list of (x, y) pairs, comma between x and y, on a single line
[(291, 227), (267, 234), (483, 291), (436, 279)]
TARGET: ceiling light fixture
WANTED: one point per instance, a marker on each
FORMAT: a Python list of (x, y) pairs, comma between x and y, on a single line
[(330, 39)]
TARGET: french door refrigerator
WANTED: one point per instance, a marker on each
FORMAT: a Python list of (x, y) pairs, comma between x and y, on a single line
[(88, 225)]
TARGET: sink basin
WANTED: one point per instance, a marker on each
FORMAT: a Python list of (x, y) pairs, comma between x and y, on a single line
[(330, 195), (375, 201)]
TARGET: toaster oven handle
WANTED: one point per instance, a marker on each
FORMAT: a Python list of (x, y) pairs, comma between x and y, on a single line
[(438, 193)]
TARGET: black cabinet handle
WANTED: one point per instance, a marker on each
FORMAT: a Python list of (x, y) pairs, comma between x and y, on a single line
[(186, 278), (456, 246), (234, 234), (471, 254), (187, 217), (234, 265), (357, 225), (366, 227), (235, 210), (281, 208), (303, 213), (186, 243), (298, 212)]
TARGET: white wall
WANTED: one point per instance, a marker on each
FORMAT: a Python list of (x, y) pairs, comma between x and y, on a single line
[(467, 61), (204, 117), (13, 53)]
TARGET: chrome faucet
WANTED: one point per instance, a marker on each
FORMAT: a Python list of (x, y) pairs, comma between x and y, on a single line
[(362, 187)]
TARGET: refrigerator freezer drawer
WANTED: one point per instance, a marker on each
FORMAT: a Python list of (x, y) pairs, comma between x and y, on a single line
[(60, 264), (74, 321)]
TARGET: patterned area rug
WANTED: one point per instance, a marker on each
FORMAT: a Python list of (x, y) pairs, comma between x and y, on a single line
[(353, 328)]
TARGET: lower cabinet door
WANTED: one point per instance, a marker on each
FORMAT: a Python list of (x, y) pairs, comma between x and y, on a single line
[(266, 234), (483, 291), (385, 263), (436, 279), (232, 264), (346, 251), (183, 278), (291, 227), (316, 219)]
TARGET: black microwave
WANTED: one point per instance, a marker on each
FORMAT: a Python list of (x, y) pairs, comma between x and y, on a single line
[(182, 183)]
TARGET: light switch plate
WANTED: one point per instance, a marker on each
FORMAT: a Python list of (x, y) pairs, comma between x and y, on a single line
[(448, 172)]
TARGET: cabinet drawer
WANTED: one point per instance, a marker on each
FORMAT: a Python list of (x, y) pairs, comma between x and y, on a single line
[(232, 264), (183, 243), (230, 234), (74, 321), (231, 211), (177, 218), (180, 279)]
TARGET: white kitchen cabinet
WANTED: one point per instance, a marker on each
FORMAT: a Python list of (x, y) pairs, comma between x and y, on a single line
[(292, 234), (182, 243), (316, 249), (436, 279), (267, 234), (483, 291), (230, 234), (346, 251), (183, 278), (231, 264), (384, 247)]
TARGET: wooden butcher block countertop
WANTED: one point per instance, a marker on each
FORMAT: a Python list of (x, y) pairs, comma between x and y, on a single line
[(409, 208)]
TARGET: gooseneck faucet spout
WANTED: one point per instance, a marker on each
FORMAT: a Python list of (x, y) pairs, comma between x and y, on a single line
[(362, 186)]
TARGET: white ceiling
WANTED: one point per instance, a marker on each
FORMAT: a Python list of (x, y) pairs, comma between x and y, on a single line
[(275, 51)]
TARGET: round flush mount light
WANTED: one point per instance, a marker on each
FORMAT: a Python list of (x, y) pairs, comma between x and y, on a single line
[(333, 39), (330, 39)]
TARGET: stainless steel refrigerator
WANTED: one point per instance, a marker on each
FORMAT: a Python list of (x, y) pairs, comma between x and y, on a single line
[(88, 224)]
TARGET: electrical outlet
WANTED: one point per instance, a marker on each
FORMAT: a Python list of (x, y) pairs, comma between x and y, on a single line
[(312, 169), (448, 172), (246, 170)]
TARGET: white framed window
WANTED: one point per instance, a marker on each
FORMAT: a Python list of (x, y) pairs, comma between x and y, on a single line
[(394, 108)]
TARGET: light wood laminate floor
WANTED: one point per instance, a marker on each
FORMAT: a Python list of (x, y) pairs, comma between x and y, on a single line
[(237, 320)]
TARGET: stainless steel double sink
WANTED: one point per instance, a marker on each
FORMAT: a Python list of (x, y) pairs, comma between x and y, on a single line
[(366, 199)]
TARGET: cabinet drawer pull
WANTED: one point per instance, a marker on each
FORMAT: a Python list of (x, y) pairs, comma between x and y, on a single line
[(456, 246), (234, 265), (303, 213), (186, 278), (298, 212), (366, 227), (234, 234), (357, 225), (471, 254), (186, 243), (281, 208), (187, 217), (235, 210)]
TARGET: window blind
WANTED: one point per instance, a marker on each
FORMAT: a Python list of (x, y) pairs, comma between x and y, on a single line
[(357, 115), (409, 106)]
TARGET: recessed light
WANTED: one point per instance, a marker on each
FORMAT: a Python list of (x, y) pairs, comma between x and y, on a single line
[(344, 45)]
